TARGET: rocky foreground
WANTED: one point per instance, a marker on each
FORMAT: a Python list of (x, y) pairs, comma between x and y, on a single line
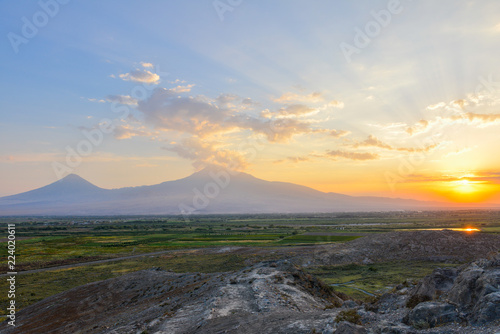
[(270, 297)]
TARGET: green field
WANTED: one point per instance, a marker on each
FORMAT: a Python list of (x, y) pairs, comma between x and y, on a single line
[(40, 252), (375, 278)]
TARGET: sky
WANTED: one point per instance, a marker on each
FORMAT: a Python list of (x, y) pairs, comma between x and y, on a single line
[(381, 98)]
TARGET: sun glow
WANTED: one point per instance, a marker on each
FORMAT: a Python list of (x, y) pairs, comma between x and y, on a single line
[(458, 229), (464, 190), (464, 186), (470, 229)]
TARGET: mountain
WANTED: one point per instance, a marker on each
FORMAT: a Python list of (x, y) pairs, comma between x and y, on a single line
[(211, 190)]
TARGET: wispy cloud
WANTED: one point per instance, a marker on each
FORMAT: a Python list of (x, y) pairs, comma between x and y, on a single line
[(458, 152), (339, 133), (293, 160), (122, 99), (373, 141), (96, 100), (293, 97), (490, 177), (336, 104), (358, 156), (478, 119), (295, 110), (419, 127), (127, 131)]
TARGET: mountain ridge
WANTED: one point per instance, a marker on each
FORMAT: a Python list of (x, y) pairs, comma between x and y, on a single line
[(208, 191)]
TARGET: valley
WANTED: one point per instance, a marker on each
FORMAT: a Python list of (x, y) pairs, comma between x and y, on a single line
[(350, 252)]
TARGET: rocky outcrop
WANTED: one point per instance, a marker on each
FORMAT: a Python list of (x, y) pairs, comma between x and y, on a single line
[(431, 314), (473, 291), (436, 284), (487, 309), (477, 290)]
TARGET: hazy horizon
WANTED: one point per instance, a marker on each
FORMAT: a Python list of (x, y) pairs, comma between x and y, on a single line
[(390, 98)]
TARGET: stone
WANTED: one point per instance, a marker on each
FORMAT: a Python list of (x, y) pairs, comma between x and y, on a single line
[(432, 286), (465, 291), (392, 328), (349, 328), (431, 314), (487, 309)]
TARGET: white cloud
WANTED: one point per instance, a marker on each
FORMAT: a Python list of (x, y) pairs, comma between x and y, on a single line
[(436, 106), (96, 100), (142, 76), (182, 89)]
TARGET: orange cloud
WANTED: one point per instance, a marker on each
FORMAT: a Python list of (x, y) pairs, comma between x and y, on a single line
[(293, 160), (358, 156), (373, 141), (202, 153)]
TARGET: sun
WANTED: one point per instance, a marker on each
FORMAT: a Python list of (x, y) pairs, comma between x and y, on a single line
[(463, 189), (464, 186)]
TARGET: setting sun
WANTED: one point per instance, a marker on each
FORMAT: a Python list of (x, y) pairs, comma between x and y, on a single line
[(465, 186)]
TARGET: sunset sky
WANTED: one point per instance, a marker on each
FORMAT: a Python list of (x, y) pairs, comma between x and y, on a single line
[(385, 98)]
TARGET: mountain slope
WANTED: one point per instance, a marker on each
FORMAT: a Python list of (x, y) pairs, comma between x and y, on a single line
[(71, 185), (211, 190)]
